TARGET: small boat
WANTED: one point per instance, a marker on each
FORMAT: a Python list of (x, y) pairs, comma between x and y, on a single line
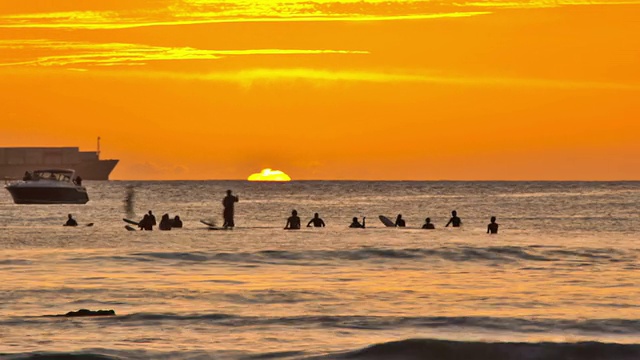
[(50, 186)]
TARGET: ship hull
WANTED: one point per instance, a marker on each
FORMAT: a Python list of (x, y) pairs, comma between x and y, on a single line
[(15, 161), (98, 170)]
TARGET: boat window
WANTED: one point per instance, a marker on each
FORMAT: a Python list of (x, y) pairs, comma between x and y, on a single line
[(50, 175)]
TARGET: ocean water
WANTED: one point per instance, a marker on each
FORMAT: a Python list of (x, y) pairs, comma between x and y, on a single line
[(561, 280)]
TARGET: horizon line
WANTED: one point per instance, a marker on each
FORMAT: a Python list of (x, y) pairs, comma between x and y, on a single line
[(378, 180)]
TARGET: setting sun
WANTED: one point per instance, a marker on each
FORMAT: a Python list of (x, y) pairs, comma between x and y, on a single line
[(269, 175)]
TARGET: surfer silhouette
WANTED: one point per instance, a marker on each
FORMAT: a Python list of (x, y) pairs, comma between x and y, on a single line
[(147, 222), (428, 224), (356, 224), (455, 221), (400, 221), (293, 222), (176, 223), (228, 203), (492, 228), (316, 221), (152, 220), (71, 221), (165, 222)]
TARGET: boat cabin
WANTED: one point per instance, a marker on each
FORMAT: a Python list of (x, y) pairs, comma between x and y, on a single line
[(54, 174)]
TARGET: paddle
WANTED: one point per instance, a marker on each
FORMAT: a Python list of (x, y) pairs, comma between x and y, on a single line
[(208, 223)]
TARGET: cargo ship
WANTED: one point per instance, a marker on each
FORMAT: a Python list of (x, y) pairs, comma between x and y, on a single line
[(15, 161)]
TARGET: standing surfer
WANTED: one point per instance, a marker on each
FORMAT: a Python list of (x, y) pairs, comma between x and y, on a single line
[(228, 203)]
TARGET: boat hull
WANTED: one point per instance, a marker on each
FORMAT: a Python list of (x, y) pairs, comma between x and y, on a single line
[(48, 195)]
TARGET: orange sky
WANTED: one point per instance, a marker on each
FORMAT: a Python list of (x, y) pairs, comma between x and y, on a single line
[(202, 89)]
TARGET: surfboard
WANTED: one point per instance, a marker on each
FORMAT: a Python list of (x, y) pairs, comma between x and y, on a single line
[(386, 221), (219, 228), (131, 222), (129, 228)]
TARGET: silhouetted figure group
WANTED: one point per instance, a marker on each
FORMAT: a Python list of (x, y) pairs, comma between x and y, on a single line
[(148, 221), (166, 222), (293, 222)]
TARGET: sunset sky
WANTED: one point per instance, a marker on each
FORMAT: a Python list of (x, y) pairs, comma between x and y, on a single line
[(397, 90)]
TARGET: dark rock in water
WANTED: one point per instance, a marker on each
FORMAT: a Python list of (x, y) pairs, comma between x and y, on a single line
[(85, 312)]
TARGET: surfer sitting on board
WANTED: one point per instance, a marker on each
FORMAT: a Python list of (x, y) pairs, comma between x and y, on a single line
[(428, 224), (400, 221), (492, 228), (455, 220), (356, 224), (165, 222), (71, 221), (293, 222), (316, 221)]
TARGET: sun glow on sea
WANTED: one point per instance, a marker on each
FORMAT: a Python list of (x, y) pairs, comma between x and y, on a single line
[(269, 175)]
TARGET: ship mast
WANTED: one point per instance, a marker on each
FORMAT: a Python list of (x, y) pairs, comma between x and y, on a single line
[(98, 150)]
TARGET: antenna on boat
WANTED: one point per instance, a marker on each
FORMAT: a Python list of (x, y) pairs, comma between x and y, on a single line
[(98, 150)]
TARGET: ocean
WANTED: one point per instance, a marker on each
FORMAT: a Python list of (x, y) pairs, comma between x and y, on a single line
[(561, 279)]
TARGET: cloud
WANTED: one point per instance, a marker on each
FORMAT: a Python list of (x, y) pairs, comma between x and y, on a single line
[(64, 53), (188, 12), (180, 15), (250, 77)]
